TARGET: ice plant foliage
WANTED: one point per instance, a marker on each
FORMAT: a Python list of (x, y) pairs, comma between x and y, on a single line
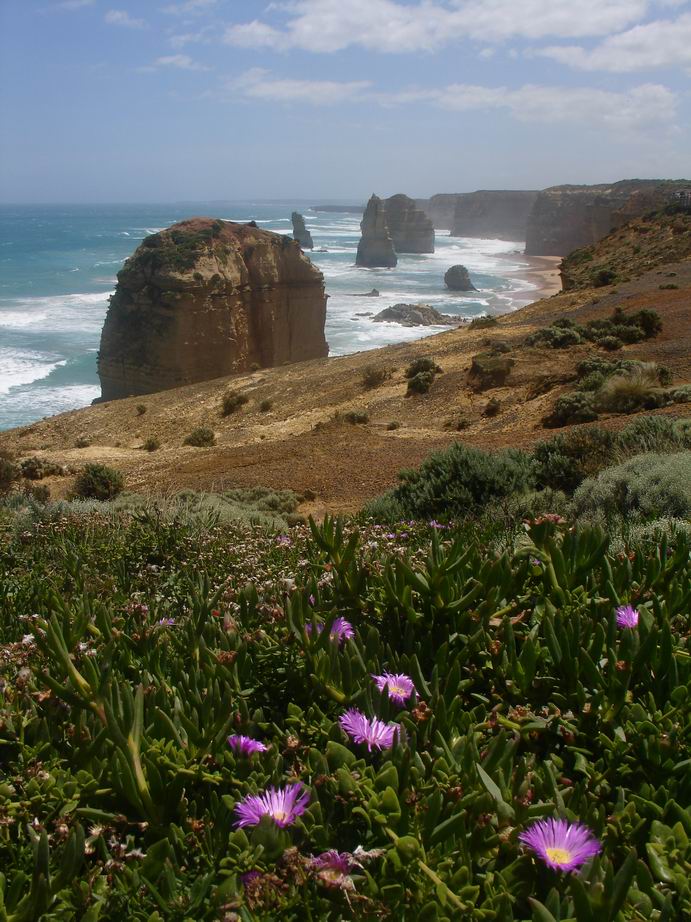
[(283, 805), (245, 745), (561, 845), (627, 617), (375, 733), (398, 685)]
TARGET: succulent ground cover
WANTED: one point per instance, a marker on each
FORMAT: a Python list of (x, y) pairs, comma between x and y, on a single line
[(343, 722)]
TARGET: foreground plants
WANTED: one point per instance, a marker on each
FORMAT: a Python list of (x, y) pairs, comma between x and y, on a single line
[(229, 724)]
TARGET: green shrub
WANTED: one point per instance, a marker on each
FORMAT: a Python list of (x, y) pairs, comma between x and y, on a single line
[(649, 485), (630, 392), (266, 405), (82, 442), (97, 481), (603, 277), (555, 337), (9, 472), (610, 343), (141, 409), (654, 433), (151, 444), (492, 408), (37, 468), (232, 401), (482, 323), (201, 437), (420, 383), (38, 492), (577, 407), (393, 425), (489, 369), (374, 377), (564, 461), (458, 481), (356, 417), (423, 365)]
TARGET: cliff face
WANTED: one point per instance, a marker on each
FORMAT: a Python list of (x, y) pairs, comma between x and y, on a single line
[(375, 248), (500, 214), (206, 298), (410, 228), (566, 218), (440, 208), (300, 232)]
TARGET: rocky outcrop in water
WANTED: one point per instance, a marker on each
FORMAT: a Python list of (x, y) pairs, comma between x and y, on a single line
[(375, 248), (565, 218), (410, 228), (300, 232), (206, 298), (501, 214), (457, 279), (415, 315)]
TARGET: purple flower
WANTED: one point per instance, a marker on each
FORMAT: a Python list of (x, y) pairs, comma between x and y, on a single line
[(363, 730), (627, 617), (561, 845), (245, 745), (283, 540), (166, 622), (312, 600), (332, 868), (399, 686), (249, 877), (340, 630), (283, 805)]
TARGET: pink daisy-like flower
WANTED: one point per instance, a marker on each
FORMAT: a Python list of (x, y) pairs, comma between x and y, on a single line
[(627, 617), (283, 805), (562, 845), (399, 686), (340, 630), (245, 745), (363, 730), (333, 868)]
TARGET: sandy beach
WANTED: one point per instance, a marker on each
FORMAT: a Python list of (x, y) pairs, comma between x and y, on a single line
[(542, 271)]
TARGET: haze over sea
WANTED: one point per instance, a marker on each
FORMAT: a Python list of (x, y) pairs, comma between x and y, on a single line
[(58, 266)]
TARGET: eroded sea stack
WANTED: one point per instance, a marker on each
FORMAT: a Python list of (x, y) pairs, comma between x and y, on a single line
[(206, 298), (375, 249), (501, 214), (300, 232), (410, 228)]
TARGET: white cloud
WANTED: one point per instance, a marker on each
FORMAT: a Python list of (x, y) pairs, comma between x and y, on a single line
[(74, 4), (189, 7), (178, 62), (390, 26), (123, 18), (664, 43), (191, 38), (638, 109), (260, 84)]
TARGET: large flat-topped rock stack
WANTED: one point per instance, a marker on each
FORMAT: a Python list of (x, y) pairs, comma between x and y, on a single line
[(206, 298), (410, 228)]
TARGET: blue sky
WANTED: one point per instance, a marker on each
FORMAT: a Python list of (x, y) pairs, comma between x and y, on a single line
[(168, 100)]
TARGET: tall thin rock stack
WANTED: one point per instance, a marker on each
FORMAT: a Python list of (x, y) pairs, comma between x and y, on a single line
[(375, 249), (300, 232), (410, 228)]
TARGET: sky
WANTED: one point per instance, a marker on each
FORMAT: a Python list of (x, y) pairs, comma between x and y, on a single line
[(201, 100)]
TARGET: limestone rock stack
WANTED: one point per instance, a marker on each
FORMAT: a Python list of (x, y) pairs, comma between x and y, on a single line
[(410, 228), (206, 298), (456, 278), (300, 232), (376, 246)]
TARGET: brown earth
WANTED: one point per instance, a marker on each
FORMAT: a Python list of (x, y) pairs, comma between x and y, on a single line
[(304, 442)]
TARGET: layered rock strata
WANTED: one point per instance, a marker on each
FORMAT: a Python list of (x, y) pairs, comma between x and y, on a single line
[(300, 232), (501, 214), (206, 298), (410, 228), (565, 218), (375, 249)]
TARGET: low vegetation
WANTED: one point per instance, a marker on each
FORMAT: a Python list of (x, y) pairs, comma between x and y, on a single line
[(98, 481), (232, 401), (421, 374), (610, 333), (201, 437), (374, 377)]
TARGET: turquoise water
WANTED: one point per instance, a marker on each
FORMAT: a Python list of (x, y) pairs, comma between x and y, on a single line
[(58, 266)]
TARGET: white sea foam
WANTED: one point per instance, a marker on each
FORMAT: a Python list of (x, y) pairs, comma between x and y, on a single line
[(82, 313), (19, 367)]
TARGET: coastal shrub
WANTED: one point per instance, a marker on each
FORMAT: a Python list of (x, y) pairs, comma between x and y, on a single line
[(83, 441), (34, 468), (98, 481), (490, 369), (232, 401), (563, 462), (9, 472), (141, 409), (602, 277), (356, 417), (459, 480), (557, 336), (39, 492), (393, 425), (576, 407), (151, 444), (629, 392), (483, 323), (266, 405), (607, 332), (420, 383), (374, 377), (201, 437), (649, 485), (423, 365), (610, 343), (654, 433)]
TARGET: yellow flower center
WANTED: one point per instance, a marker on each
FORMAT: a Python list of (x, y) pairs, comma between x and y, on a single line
[(332, 875), (280, 815), (558, 855), (397, 690)]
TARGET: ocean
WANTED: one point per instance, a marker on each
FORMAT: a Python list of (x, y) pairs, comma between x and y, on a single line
[(58, 267)]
